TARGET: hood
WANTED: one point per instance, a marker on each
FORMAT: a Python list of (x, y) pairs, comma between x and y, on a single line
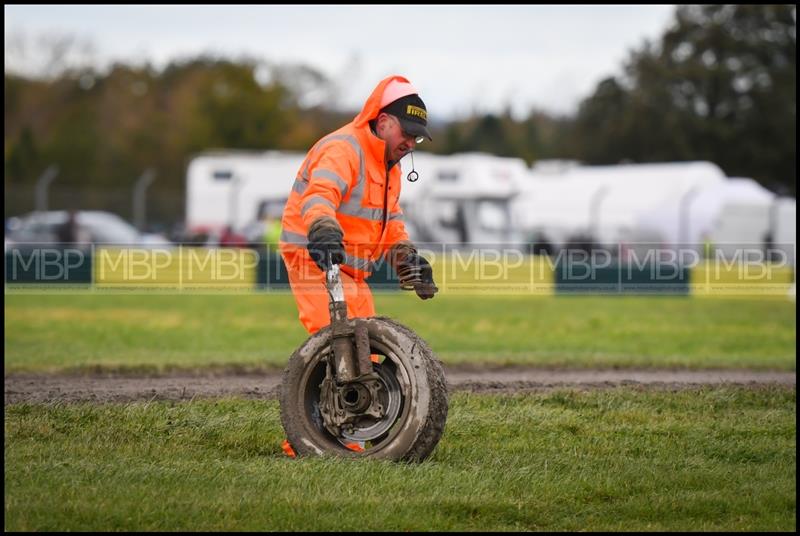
[(373, 104)]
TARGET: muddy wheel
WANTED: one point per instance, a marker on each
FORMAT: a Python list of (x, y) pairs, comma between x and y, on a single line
[(413, 395)]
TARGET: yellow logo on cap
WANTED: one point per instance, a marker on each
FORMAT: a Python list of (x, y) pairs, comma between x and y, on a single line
[(416, 110)]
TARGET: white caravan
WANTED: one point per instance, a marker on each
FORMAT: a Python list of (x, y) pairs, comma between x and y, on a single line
[(611, 204), (672, 204), (462, 198), (236, 187), (784, 227)]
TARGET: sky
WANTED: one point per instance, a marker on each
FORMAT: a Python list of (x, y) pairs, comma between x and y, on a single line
[(462, 59)]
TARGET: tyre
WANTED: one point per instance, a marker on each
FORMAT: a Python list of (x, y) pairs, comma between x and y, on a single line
[(412, 394)]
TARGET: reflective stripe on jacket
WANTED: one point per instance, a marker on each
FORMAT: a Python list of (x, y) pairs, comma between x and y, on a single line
[(344, 176)]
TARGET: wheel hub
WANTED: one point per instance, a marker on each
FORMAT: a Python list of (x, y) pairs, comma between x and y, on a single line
[(362, 410)]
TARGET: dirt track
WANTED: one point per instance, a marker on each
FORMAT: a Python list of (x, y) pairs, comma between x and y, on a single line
[(30, 388)]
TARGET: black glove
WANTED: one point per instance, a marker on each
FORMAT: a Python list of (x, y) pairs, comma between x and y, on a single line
[(325, 243), (415, 273)]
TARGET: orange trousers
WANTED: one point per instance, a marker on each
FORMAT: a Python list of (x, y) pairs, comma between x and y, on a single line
[(308, 286)]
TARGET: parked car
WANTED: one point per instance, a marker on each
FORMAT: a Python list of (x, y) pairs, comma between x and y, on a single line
[(92, 227)]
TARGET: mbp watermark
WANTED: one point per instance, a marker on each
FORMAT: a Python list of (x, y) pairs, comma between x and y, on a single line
[(662, 264), (645, 268), (485, 265), (132, 265), (46, 264), (749, 264), (181, 268), (221, 266)]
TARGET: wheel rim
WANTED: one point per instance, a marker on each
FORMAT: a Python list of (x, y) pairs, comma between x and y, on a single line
[(391, 399), (396, 387)]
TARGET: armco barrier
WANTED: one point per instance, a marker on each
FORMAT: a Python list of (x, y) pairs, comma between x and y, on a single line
[(650, 278), (182, 268), (197, 268)]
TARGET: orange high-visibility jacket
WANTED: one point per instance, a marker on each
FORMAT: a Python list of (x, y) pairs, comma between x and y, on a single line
[(344, 176)]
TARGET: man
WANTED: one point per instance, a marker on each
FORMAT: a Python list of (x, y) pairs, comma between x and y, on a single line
[(344, 207)]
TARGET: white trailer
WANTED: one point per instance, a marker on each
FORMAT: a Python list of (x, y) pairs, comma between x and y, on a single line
[(684, 204), (611, 204), (784, 227), (734, 214), (462, 198), (234, 188)]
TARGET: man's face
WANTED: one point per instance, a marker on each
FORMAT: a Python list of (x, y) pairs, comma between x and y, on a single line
[(398, 142)]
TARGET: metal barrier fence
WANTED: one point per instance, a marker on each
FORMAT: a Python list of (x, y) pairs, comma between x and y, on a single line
[(164, 208)]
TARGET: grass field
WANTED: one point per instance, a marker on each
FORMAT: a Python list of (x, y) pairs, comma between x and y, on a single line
[(627, 459), (720, 459), (51, 332)]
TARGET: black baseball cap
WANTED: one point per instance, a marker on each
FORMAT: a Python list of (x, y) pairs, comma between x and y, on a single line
[(411, 112)]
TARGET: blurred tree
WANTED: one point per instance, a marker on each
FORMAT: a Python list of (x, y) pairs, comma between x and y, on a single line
[(720, 86), (206, 104), (104, 129), (22, 158), (537, 136)]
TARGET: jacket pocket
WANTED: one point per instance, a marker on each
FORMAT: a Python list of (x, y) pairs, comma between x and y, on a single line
[(375, 190)]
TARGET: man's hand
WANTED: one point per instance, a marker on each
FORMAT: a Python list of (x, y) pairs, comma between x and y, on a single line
[(325, 243), (414, 270)]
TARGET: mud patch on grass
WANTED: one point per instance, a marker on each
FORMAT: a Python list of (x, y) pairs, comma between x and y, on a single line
[(222, 383)]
